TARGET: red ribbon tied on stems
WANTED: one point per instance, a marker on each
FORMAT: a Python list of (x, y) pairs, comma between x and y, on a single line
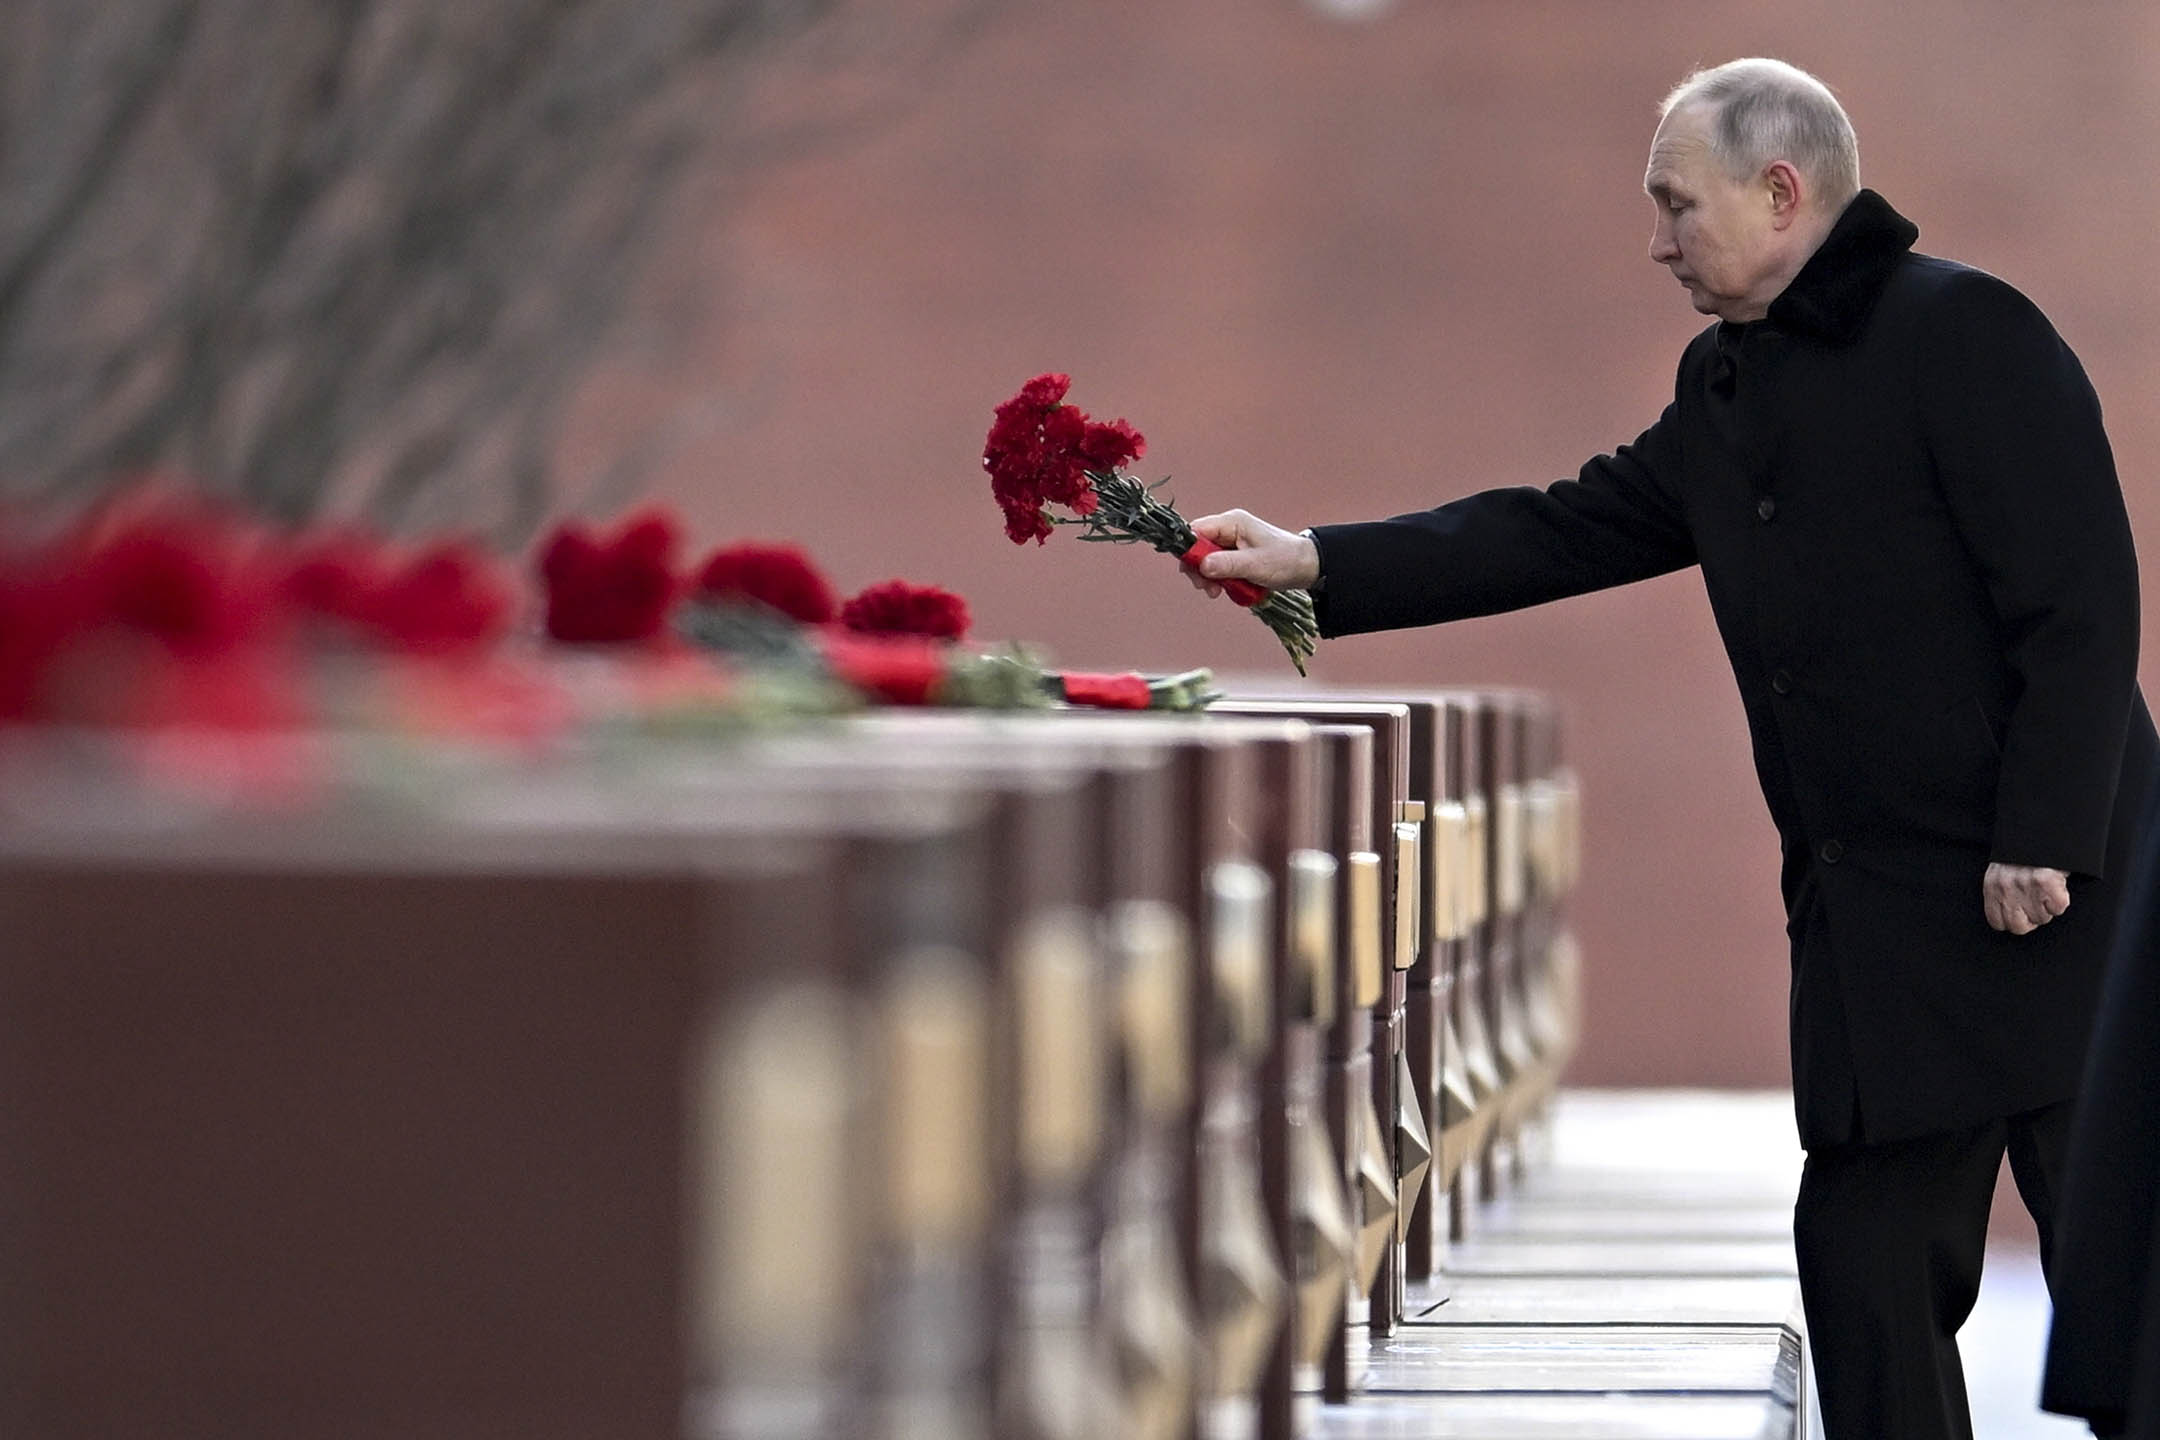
[(1107, 692), (1244, 592)]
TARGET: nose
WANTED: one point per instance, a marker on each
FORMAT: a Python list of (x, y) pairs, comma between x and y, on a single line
[(1663, 249)]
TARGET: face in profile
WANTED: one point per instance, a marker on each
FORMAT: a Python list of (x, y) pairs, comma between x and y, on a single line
[(1713, 232)]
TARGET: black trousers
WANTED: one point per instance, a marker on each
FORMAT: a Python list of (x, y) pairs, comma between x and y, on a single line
[(1890, 1239)]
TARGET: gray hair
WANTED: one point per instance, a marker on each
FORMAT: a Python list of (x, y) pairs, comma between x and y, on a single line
[(1766, 110)]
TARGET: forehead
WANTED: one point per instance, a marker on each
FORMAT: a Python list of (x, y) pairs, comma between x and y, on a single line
[(1679, 152)]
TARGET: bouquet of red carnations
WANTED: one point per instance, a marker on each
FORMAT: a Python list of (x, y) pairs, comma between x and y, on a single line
[(1043, 452)]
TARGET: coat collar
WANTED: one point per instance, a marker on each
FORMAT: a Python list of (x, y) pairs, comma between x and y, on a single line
[(1836, 290)]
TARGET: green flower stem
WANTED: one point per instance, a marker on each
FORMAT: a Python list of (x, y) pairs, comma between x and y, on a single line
[(1127, 513)]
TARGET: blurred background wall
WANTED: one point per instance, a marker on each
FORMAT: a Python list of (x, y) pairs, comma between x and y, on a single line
[(1340, 270)]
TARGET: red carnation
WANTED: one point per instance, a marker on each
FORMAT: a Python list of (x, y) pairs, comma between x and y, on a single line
[(1044, 391), (176, 578), (1023, 525), (335, 577), (778, 576), (1106, 447), (610, 589), (448, 598), (1034, 455), (42, 607), (899, 608), (650, 537)]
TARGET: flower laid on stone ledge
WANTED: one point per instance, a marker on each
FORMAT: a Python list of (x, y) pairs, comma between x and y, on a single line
[(161, 614), (778, 576), (613, 588), (176, 576), (903, 668), (900, 608), (1042, 452), (449, 597), (145, 616)]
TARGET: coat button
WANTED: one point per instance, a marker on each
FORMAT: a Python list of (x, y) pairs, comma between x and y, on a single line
[(1765, 508), (1781, 682), (1831, 852)]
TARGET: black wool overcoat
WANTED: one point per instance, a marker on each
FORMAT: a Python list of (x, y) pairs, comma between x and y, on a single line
[(1907, 517)]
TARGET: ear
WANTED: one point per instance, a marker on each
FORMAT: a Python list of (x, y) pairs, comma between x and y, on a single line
[(1787, 193)]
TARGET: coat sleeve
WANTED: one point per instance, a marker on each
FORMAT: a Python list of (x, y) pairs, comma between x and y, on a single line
[(2014, 429), (1619, 520)]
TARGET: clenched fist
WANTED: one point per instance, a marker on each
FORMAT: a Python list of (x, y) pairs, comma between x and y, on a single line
[(1254, 550), (2022, 898)]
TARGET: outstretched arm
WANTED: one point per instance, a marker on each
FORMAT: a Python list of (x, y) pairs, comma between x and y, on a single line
[(1618, 521)]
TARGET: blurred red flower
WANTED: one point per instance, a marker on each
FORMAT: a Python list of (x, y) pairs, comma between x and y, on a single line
[(611, 588), (334, 577), (177, 578), (779, 576), (42, 607), (450, 597), (900, 608)]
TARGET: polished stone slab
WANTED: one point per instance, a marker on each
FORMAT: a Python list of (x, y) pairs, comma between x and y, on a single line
[(1535, 1217), (1680, 1193), (1555, 1417), (1727, 1133), (1603, 1300), (1609, 1359), (1509, 1255), (1637, 1284)]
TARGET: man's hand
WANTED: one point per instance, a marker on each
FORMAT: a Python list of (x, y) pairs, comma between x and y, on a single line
[(2022, 898), (1254, 550)]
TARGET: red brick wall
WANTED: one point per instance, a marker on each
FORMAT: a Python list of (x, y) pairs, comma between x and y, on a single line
[(1337, 271)]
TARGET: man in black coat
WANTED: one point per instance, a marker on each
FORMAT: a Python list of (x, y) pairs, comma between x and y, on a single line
[(1894, 477)]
